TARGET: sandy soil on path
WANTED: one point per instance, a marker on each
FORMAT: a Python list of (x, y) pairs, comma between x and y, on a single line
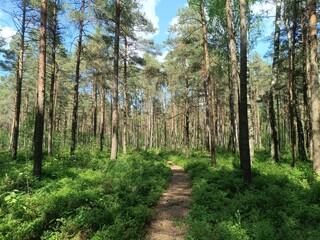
[(172, 208)]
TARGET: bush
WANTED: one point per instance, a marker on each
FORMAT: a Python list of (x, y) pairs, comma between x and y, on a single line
[(87, 196), (281, 203)]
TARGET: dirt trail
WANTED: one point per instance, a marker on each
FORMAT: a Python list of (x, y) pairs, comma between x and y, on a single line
[(172, 208)]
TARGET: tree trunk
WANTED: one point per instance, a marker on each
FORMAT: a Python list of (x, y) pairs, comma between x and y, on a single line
[(233, 79), (76, 86), (147, 123), (53, 75), (209, 84), (125, 99), (102, 112), (243, 105), (250, 116), (39, 123), (275, 66), (151, 123), (292, 95), (306, 82), (187, 116), (301, 143), (314, 76), (293, 90), (94, 106), (56, 91), (115, 89), (16, 121)]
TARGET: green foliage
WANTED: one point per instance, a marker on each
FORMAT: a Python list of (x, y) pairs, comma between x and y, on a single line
[(87, 196), (91, 197), (281, 203)]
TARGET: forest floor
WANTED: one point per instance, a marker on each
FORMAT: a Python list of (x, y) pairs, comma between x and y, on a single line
[(172, 208)]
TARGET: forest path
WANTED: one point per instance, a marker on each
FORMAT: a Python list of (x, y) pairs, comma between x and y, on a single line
[(172, 208)]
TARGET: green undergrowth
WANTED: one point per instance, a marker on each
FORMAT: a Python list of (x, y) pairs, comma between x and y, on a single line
[(281, 203), (87, 196)]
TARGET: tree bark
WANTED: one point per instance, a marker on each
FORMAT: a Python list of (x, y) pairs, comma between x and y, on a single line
[(187, 117), (243, 105), (76, 85), (275, 66), (306, 79), (151, 123), (250, 116), (209, 84), (314, 77), (292, 94), (94, 99), (233, 79), (16, 121), (115, 88), (102, 112), (39, 123), (58, 120), (125, 99), (53, 75), (300, 132)]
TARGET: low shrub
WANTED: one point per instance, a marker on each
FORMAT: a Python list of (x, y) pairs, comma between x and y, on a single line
[(86, 196), (281, 203)]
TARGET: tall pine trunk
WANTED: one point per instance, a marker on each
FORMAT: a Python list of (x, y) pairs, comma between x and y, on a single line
[(208, 82), (102, 112), (291, 94), (125, 99), (314, 77), (300, 132), (94, 107), (76, 86), (306, 78), (39, 123), (16, 121), (53, 76), (243, 104), (233, 79), (275, 67), (187, 118), (115, 88)]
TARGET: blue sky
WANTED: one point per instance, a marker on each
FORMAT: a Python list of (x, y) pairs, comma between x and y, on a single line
[(167, 11), (161, 13)]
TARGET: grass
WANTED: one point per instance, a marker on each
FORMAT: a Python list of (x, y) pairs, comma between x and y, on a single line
[(281, 203), (89, 196), (84, 197)]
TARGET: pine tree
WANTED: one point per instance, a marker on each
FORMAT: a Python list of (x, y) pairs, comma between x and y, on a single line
[(39, 123)]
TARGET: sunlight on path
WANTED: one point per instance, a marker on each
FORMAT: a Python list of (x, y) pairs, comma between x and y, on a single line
[(172, 208)]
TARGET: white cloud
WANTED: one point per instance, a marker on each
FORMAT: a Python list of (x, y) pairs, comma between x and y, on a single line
[(266, 8), (7, 33), (149, 8), (161, 57), (174, 21)]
